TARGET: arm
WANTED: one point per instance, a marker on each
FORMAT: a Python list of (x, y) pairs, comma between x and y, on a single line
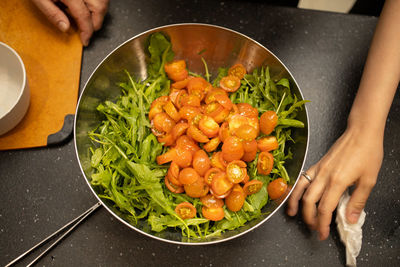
[(88, 15), (357, 155)]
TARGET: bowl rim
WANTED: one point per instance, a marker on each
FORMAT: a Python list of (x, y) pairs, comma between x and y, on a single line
[(164, 239), (22, 88)]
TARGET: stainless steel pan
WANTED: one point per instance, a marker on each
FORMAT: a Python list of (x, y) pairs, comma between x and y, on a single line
[(222, 47)]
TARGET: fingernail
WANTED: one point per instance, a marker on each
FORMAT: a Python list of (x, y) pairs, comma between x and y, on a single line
[(353, 217), (62, 26), (84, 38)]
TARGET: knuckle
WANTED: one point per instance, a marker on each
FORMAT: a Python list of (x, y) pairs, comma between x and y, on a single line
[(306, 199), (322, 210), (358, 205)]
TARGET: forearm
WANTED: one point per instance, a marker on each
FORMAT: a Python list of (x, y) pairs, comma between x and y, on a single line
[(381, 74)]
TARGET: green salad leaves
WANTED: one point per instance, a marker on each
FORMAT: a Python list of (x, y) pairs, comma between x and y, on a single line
[(123, 156)]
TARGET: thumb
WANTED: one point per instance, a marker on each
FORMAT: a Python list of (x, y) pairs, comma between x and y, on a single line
[(358, 200), (55, 15)]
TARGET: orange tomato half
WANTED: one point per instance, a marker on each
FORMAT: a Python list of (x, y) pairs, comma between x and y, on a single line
[(252, 187), (213, 214), (185, 210), (230, 83), (268, 121), (235, 200), (237, 70), (265, 163), (277, 188), (176, 70)]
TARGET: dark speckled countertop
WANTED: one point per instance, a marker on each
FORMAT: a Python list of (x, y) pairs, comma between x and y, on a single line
[(41, 189)]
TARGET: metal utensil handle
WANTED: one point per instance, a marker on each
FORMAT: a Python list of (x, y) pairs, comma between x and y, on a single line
[(77, 221)]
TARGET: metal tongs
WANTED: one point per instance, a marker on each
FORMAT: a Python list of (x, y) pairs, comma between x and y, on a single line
[(75, 222)]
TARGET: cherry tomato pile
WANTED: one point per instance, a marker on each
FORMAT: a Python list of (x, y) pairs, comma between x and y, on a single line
[(196, 118)]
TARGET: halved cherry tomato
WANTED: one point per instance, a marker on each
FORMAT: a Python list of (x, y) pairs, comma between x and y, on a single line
[(196, 134), (179, 129), (187, 143), (197, 86), (217, 161), (221, 116), (167, 139), (183, 157), (232, 149), (220, 196), (208, 126), (277, 188), (173, 188), (176, 70), (268, 121), (178, 99), (253, 121), (220, 184), (247, 110), (159, 101), (230, 83), (173, 174), (249, 156), (235, 121), (265, 163), (210, 97), (170, 109), (252, 187), (201, 162), (237, 70), (212, 144), (235, 200), (267, 143), (185, 210), (163, 123), (173, 93), (224, 101), (249, 146), (224, 131), (213, 214), (197, 189), (190, 100), (210, 175), (246, 132), (166, 157), (188, 175), (155, 110), (181, 84), (212, 109), (188, 112), (236, 171), (196, 120), (210, 201)]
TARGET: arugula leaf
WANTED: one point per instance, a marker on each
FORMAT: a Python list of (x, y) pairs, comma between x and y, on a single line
[(160, 52)]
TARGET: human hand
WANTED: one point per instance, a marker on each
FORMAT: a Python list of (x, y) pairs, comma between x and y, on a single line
[(355, 158), (88, 15)]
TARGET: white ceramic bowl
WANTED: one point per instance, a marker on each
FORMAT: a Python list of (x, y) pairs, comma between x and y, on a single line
[(14, 89)]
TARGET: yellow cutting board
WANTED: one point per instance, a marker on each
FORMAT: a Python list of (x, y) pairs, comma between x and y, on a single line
[(53, 61)]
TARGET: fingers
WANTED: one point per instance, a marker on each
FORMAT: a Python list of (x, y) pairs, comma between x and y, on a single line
[(310, 199), (81, 14), (358, 199), (55, 15), (327, 205), (301, 186), (98, 9)]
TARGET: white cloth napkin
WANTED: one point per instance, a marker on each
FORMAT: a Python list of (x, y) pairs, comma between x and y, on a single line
[(350, 234)]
